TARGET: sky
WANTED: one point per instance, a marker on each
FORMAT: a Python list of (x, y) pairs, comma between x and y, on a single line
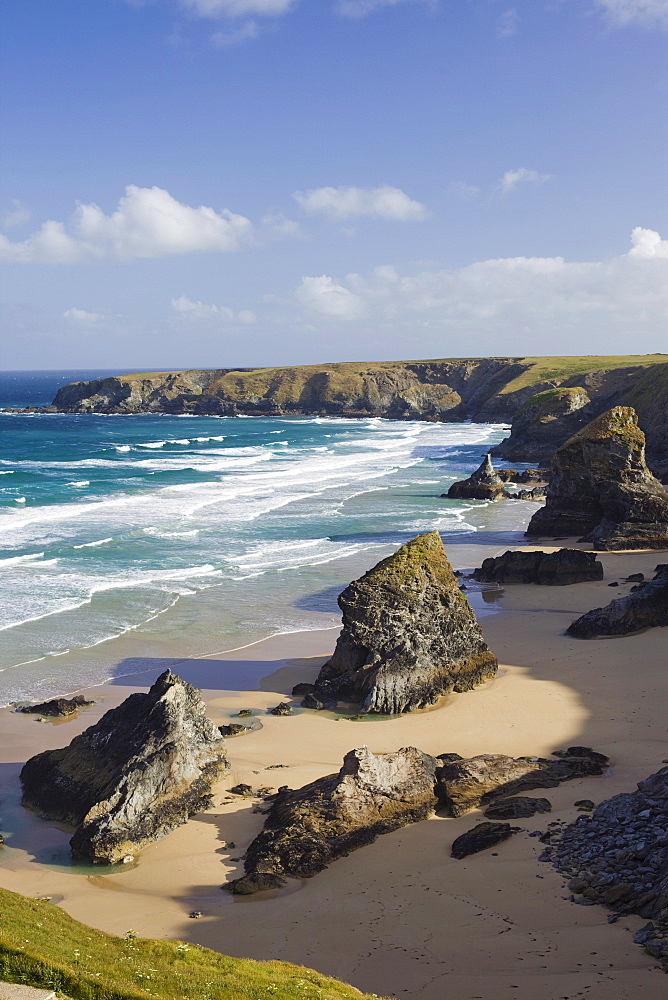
[(219, 183)]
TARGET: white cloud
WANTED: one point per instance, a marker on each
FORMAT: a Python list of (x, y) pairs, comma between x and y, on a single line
[(508, 304), (465, 191), (17, 215), (196, 310), (239, 8), (82, 317), (353, 202), (508, 23), (279, 227), (324, 297), (360, 8), (226, 39), (148, 222), (648, 13), (512, 178)]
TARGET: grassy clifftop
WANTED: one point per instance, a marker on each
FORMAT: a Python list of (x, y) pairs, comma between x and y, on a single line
[(42, 946)]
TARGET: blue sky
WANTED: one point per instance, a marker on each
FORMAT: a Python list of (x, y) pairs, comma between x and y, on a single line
[(260, 182)]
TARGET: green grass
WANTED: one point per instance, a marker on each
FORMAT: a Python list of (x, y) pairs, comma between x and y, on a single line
[(42, 946), (550, 368)]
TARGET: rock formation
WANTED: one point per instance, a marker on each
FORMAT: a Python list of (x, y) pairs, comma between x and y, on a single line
[(517, 807), (57, 707), (544, 422), (483, 484), (601, 489), (618, 856), (552, 569), (409, 636), (309, 828), (138, 773), (466, 784), (480, 838), (645, 607)]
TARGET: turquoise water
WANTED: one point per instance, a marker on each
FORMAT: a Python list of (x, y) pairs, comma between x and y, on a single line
[(198, 534)]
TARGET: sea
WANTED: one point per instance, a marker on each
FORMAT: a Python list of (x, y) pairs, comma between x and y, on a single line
[(193, 535)]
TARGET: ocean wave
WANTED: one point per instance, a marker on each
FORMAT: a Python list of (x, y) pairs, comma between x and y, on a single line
[(80, 483), (18, 560), (93, 545)]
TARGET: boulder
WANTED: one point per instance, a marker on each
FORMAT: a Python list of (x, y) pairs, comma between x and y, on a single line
[(601, 489), (555, 569), (308, 828), (645, 607), (480, 838), (469, 783), (519, 807), (138, 773), (57, 708), (409, 636), (483, 484), (283, 708)]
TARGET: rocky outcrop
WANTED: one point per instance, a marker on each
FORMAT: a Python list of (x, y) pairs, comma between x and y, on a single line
[(409, 636), (466, 784), (645, 607), (57, 708), (480, 838), (543, 423), (618, 856), (483, 484), (309, 828), (517, 807), (138, 773), (552, 569), (601, 489)]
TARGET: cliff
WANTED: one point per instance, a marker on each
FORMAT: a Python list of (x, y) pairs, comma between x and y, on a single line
[(138, 773), (600, 488), (409, 636)]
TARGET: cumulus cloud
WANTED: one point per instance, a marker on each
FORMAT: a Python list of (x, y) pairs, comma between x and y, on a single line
[(17, 215), (341, 203), (360, 8), (322, 296), (279, 227), (238, 8), (196, 310), (513, 178), (509, 301), (648, 13), (81, 317), (148, 222)]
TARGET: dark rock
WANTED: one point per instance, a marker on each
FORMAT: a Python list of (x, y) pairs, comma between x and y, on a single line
[(584, 805), (58, 707), (646, 607), (303, 688), (409, 635), (645, 934), (520, 807), (282, 709), (241, 789), (483, 484), (602, 490), (566, 566), (635, 578), (232, 730), (244, 713), (195, 914), (480, 838), (310, 701), (543, 422), (309, 828), (614, 584), (533, 476), (537, 493), (138, 773)]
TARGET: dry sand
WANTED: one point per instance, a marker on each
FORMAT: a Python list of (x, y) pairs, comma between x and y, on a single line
[(399, 917)]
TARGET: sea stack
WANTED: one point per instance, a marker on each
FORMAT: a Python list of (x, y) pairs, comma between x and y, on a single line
[(409, 636), (601, 489), (484, 484), (138, 773)]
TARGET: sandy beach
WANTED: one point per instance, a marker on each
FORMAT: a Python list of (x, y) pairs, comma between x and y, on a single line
[(400, 917)]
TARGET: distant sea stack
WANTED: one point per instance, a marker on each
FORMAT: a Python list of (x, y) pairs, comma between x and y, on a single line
[(483, 484), (601, 489), (141, 771), (409, 636)]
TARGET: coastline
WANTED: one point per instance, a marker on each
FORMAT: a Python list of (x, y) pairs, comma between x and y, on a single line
[(400, 911)]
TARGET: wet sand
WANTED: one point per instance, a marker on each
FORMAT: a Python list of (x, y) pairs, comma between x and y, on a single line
[(399, 917)]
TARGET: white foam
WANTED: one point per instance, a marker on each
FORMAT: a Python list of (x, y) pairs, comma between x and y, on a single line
[(80, 483), (93, 545), (17, 560)]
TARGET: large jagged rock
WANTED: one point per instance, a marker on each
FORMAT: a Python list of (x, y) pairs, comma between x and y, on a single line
[(601, 489), (466, 784), (483, 484), (309, 828), (138, 773), (409, 636), (552, 569), (619, 857), (544, 422), (645, 607)]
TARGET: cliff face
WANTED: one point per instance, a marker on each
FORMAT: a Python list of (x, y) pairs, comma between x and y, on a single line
[(409, 635), (601, 488), (134, 776)]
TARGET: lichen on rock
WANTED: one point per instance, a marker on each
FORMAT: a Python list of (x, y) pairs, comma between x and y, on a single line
[(138, 773), (409, 636)]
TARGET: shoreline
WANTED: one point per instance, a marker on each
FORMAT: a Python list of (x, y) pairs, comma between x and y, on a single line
[(399, 911)]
